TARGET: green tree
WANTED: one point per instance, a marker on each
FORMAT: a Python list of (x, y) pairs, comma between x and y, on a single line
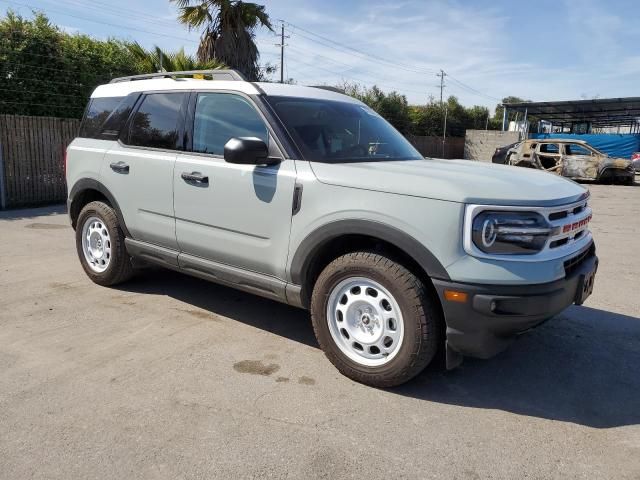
[(44, 71), (496, 121), (228, 31), (392, 106)]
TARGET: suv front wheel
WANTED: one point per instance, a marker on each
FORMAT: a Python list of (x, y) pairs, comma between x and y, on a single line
[(374, 319), (100, 245)]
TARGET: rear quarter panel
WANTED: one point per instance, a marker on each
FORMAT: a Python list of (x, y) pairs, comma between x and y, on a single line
[(84, 159)]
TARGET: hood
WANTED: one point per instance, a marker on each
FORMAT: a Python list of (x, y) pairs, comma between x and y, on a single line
[(454, 180)]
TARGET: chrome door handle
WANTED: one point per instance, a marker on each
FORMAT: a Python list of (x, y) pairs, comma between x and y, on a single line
[(119, 167), (195, 177)]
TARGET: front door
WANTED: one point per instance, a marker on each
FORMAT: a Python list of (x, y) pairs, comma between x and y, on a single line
[(579, 162), (237, 215)]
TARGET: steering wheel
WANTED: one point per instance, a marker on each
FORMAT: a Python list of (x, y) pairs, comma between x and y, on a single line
[(358, 149)]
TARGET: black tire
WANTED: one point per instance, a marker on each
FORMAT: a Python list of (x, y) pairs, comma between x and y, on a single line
[(422, 318), (120, 268)]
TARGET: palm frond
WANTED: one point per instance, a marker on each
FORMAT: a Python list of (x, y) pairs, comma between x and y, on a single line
[(228, 28)]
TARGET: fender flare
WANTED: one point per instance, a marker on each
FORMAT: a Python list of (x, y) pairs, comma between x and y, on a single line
[(85, 184), (317, 239)]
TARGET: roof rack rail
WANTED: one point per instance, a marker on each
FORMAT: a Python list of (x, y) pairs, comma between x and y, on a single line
[(226, 74), (329, 88)]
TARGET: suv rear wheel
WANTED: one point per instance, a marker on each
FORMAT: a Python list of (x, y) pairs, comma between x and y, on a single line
[(100, 245), (374, 319)]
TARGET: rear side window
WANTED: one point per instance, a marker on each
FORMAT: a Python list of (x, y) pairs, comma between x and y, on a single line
[(222, 116), (115, 122), (155, 123), (97, 112)]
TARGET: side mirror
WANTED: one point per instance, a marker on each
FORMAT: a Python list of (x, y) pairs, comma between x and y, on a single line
[(247, 151)]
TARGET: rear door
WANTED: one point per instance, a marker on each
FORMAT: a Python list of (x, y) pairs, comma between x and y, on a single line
[(237, 215), (138, 170)]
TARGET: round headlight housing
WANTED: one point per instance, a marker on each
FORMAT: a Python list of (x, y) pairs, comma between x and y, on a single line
[(510, 233)]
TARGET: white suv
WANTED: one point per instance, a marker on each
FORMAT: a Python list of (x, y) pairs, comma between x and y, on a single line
[(307, 196)]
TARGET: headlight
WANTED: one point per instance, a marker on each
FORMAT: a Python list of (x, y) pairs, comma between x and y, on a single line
[(520, 233)]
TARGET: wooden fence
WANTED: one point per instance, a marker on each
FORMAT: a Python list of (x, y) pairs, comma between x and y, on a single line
[(432, 146), (32, 159)]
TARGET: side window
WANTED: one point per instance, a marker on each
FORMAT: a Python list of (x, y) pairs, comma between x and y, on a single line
[(97, 112), (549, 148), (155, 123), (111, 127), (222, 116)]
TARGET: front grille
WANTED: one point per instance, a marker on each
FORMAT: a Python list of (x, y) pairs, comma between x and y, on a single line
[(566, 216), (573, 263)]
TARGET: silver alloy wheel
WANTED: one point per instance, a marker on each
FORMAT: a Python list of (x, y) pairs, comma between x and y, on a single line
[(365, 321), (96, 244)]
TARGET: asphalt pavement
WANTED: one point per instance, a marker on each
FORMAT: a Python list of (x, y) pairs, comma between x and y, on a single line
[(172, 377)]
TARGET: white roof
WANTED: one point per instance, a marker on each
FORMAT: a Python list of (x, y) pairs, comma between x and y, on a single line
[(121, 89)]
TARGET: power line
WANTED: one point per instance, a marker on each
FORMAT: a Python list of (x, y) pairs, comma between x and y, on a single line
[(40, 105), (356, 79), (46, 94), (327, 42), (352, 49), (338, 62), (104, 23), (134, 14), (66, 84), (471, 89)]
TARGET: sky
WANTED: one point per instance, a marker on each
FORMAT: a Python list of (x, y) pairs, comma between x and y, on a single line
[(542, 51)]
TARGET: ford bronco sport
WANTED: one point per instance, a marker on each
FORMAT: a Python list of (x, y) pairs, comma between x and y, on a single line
[(308, 197)]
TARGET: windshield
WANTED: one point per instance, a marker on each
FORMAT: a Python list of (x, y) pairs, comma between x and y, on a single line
[(338, 132)]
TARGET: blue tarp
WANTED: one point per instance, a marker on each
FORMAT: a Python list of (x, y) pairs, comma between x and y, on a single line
[(614, 145)]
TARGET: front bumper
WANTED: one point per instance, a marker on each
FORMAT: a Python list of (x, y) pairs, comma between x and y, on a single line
[(492, 315)]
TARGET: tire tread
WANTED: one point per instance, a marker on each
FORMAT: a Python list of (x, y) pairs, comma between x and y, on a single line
[(422, 309), (120, 268)]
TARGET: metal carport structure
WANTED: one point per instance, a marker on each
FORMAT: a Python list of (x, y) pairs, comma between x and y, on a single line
[(596, 113)]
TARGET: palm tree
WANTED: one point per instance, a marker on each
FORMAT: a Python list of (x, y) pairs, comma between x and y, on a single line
[(228, 34), (157, 60)]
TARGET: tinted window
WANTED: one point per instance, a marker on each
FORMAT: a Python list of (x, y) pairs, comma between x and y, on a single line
[(222, 116), (111, 127), (97, 112), (155, 124), (341, 131)]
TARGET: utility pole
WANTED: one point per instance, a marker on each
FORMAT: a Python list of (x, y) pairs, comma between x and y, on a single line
[(442, 74), (282, 45), (444, 130)]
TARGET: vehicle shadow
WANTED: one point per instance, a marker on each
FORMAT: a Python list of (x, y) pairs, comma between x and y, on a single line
[(582, 367), (268, 315), (25, 213)]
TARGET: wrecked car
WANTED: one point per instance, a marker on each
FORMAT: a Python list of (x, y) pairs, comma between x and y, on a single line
[(574, 159)]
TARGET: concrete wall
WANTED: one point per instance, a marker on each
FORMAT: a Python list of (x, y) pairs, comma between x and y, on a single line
[(481, 144)]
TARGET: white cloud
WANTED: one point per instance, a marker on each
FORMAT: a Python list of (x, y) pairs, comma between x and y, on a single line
[(575, 49)]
